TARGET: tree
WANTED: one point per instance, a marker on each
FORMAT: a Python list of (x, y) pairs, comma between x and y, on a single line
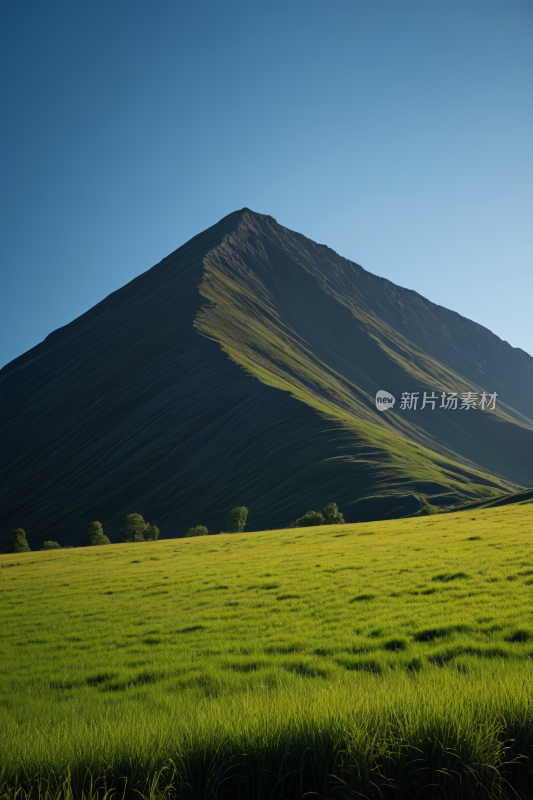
[(137, 530), (309, 519), (332, 515), (237, 519), (197, 530), (151, 533), (134, 528), (96, 534), (51, 546), (17, 542)]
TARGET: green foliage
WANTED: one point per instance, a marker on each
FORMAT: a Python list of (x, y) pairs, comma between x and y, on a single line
[(17, 542), (51, 546), (428, 509), (332, 515), (134, 528), (237, 519), (137, 530), (309, 519), (96, 534), (197, 530), (151, 533)]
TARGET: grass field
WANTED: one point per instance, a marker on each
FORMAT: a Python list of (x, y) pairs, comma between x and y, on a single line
[(392, 657)]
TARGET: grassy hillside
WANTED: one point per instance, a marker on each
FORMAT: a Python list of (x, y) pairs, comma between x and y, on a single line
[(242, 369), (383, 654), (504, 500)]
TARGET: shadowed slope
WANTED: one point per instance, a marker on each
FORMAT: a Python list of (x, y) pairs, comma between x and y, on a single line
[(136, 406)]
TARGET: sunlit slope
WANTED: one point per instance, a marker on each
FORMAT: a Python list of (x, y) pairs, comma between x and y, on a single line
[(242, 370), (450, 589)]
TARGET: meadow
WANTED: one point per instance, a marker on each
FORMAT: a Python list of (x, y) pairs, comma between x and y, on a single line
[(385, 659)]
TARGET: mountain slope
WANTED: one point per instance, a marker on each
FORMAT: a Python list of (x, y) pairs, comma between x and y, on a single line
[(243, 369)]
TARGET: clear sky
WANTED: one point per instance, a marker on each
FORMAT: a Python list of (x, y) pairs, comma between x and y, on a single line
[(398, 132)]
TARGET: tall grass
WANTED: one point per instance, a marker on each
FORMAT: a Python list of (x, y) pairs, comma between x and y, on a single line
[(250, 677), (390, 731)]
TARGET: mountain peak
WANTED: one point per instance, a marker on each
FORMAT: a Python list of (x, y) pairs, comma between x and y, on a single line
[(242, 369)]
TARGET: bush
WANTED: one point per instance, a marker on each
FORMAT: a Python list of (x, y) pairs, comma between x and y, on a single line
[(308, 520), (237, 519), (51, 546), (197, 530), (429, 509), (96, 534), (17, 542), (330, 516)]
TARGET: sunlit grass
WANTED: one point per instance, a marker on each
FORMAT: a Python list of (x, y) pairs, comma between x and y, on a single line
[(356, 643)]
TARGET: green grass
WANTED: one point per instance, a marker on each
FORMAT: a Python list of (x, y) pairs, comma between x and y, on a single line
[(390, 653), (503, 500)]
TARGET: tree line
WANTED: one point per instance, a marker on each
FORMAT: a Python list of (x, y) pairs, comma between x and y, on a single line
[(136, 529)]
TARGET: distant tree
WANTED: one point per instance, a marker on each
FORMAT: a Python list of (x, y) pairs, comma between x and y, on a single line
[(308, 520), (134, 528), (151, 533), (17, 542), (197, 530), (237, 519), (51, 546), (332, 515), (96, 534)]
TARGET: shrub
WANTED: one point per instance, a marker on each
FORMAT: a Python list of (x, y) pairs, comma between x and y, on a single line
[(237, 519), (96, 534), (308, 520), (429, 509), (197, 530), (51, 546), (332, 515), (17, 542)]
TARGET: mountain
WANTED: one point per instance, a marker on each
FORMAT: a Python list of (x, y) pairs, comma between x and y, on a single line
[(242, 369)]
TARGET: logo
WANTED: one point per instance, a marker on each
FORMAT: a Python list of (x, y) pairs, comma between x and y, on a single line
[(384, 400), (449, 401)]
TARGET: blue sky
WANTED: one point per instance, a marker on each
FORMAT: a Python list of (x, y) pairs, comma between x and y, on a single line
[(397, 132)]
